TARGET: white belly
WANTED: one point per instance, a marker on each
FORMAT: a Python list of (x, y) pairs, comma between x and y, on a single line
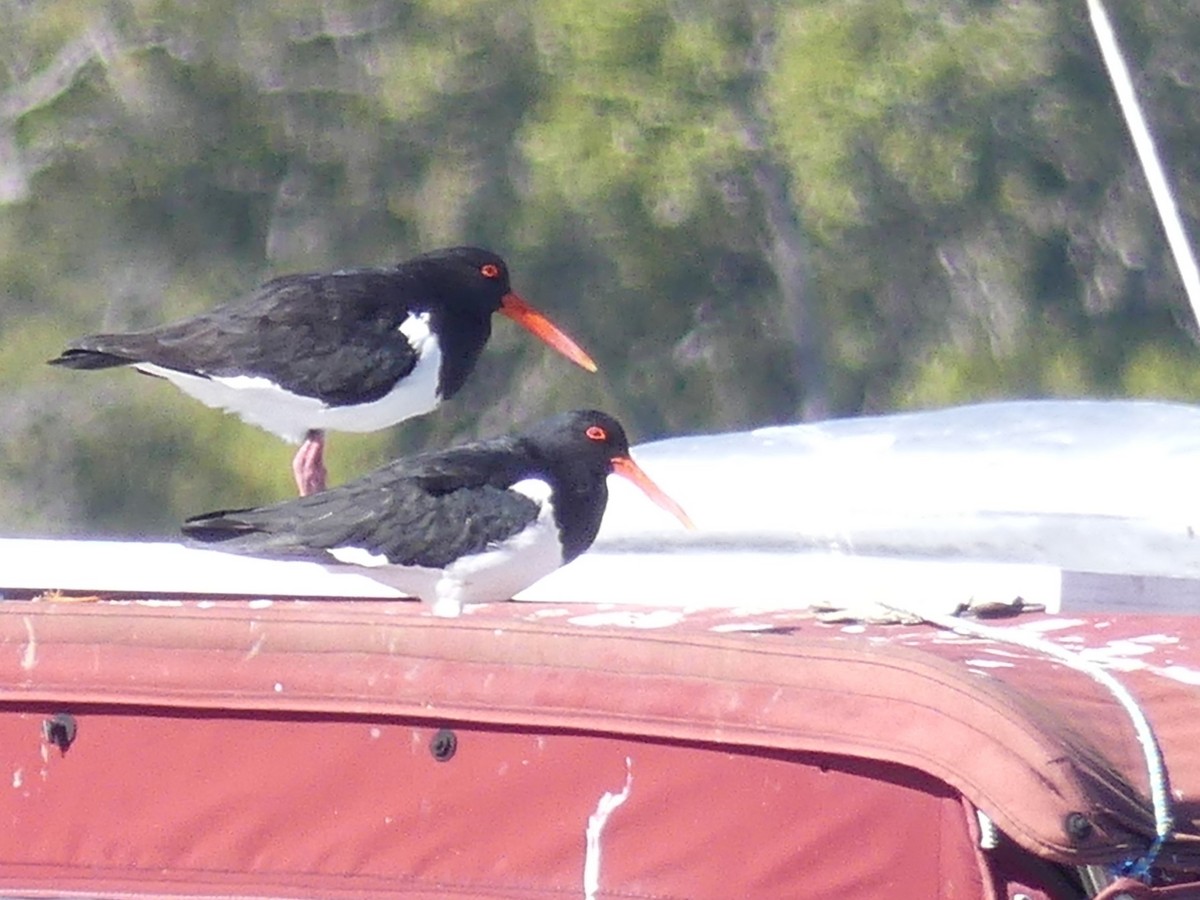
[(494, 575), (261, 402)]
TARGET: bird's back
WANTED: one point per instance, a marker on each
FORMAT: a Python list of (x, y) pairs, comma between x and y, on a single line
[(426, 510)]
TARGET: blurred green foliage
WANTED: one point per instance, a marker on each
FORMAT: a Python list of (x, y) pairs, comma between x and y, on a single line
[(749, 211)]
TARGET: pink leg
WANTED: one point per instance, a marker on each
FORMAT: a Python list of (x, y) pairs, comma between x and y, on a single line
[(308, 466)]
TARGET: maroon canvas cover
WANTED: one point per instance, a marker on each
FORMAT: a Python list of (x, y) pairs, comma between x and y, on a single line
[(363, 749)]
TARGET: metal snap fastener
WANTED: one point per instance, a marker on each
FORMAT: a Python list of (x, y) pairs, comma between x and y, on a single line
[(444, 745), (60, 730)]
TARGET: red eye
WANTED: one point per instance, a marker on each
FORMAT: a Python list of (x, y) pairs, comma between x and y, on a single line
[(596, 433), (489, 270)]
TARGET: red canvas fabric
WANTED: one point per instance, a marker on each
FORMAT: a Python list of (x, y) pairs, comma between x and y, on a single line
[(284, 750)]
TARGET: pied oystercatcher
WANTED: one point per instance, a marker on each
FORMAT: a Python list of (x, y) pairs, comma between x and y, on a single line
[(355, 350), (473, 523)]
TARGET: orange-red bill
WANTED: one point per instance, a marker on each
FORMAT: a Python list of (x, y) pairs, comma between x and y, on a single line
[(523, 314), (627, 468)]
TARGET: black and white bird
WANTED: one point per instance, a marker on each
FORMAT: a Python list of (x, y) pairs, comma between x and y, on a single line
[(474, 523), (355, 350)]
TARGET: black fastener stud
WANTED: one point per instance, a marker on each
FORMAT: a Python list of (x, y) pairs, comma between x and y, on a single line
[(60, 730), (1078, 826), (443, 745)]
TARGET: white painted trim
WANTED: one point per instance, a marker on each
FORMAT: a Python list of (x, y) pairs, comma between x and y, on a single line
[(703, 579)]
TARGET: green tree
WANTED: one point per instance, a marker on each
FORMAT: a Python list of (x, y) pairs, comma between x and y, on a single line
[(751, 212)]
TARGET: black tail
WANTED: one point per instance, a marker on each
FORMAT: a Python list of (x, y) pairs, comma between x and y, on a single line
[(214, 527), (76, 358)]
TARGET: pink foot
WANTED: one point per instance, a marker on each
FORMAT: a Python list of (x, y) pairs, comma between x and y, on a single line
[(308, 466)]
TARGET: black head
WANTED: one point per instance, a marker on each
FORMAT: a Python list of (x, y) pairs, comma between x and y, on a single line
[(467, 285), (463, 277), (584, 439), (581, 448)]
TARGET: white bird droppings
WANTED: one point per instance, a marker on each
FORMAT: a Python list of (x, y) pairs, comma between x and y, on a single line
[(658, 618), (989, 664), (29, 650), (607, 804)]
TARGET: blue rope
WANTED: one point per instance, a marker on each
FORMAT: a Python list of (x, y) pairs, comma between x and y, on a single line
[(1140, 868)]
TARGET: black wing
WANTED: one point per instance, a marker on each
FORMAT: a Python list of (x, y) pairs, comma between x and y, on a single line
[(427, 511), (331, 336)]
